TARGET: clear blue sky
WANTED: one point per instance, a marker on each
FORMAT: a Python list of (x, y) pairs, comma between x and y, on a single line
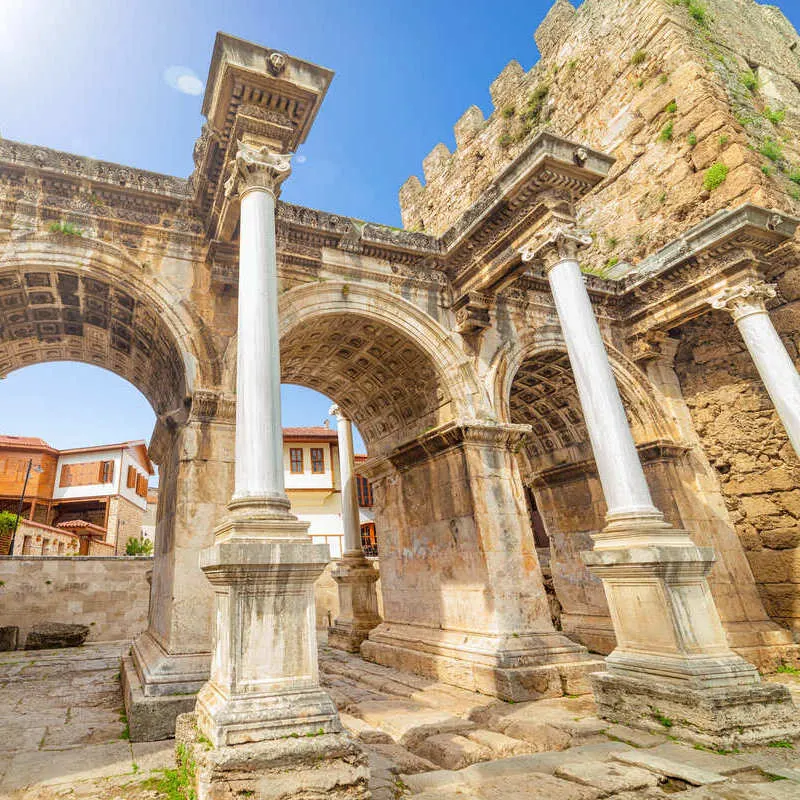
[(88, 76)]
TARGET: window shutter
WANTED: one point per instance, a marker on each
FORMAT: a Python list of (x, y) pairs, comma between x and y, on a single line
[(66, 476), (131, 477)]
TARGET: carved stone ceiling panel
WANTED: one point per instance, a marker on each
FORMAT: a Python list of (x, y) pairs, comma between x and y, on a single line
[(543, 395), (385, 382), (61, 316)]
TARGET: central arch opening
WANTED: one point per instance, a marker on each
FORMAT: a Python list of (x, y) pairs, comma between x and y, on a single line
[(384, 382)]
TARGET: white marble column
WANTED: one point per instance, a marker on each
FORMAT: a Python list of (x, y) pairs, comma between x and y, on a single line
[(259, 436), (746, 303), (355, 576), (620, 471), (347, 476), (264, 682)]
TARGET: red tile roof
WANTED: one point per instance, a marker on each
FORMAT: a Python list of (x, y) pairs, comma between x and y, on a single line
[(23, 441), (311, 433), (80, 524)]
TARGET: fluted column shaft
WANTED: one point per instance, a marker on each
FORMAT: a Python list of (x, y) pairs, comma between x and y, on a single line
[(746, 303)]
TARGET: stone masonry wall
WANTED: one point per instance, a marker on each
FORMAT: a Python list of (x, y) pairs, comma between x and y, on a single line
[(740, 431), (110, 595), (670, 89)]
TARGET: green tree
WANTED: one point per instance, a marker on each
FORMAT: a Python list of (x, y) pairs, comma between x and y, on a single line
[(138, 547), (7, 522)]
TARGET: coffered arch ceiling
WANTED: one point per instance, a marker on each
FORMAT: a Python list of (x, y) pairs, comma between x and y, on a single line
[(62, 314), (380, 377), (544, 395)]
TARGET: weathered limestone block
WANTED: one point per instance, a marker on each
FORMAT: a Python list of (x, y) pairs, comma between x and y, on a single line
[(323, 766), (505, 87), (470, 122), (463, 595), (56, 634), (8, 637), (554, 27), (171, 660), (720, 718), (435, 162)]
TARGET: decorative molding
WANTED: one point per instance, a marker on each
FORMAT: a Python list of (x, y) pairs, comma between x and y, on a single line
[(497, 435), (257, 168), (650, 346), (211, 405), (472, 312), (559, 243), (746, 298)]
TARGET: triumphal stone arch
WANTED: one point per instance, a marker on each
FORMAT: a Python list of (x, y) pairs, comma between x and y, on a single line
[(589, 319)]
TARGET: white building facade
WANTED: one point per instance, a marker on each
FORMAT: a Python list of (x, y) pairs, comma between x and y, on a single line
[(313, 484)]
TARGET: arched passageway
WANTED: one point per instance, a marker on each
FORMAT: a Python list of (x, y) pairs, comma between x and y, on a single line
[(567, 503), (75, 298), (462, 590)]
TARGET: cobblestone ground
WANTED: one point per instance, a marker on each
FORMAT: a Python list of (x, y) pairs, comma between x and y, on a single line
[(62, 735)]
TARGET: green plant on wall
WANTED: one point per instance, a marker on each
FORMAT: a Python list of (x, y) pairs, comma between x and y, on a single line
[(7, 522), (67, 228), (138, 547), (715, 176)]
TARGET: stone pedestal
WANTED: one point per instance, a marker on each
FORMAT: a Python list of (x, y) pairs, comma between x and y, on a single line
[(170, 661), (723, 718), (672, 667), (358, 603), (463, 596), (264, 680), (325, 765)]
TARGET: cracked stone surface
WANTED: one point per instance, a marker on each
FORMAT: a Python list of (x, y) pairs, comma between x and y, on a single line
[(63, 737)]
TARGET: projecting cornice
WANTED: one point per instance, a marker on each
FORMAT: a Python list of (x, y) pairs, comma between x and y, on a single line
[(673, 285), (257, 95)]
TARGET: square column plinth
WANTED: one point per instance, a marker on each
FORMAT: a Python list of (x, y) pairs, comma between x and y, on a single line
[(264, 680), (329, 765), (358, 604), (672, 665)]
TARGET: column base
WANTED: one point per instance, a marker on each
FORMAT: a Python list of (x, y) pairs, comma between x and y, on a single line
[(349, 636), (358, 603), (264, 680), (158, 686), (150, 719), (247, 718), (328, 765), (508, 666), (724, 717)]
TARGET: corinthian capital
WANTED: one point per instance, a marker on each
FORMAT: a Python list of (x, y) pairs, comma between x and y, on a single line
[(748, 297), (257, 168), (558, 244)]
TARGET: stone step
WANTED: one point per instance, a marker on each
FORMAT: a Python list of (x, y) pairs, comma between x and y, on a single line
[(671, 769), (407, 722), (703, 759), (507, 768), (363, 731), (609, 777), (634, 736)]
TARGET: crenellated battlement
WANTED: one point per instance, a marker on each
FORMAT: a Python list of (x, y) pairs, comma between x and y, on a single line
[(661, 86)]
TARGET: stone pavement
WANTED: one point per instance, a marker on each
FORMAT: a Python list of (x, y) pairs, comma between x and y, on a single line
[(63, 731), (63, 736)]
